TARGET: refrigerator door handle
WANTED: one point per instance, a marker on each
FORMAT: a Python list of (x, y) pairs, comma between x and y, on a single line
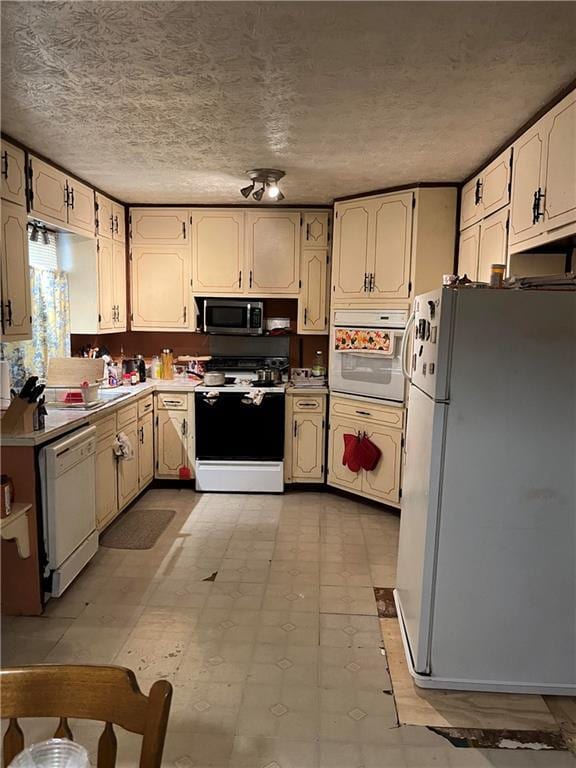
[(404, 346)]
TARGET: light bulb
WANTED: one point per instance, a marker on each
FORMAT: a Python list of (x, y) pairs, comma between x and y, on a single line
[(272, 191)]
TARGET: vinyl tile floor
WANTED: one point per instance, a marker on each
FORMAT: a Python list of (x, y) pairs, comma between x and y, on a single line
[(276, 660)]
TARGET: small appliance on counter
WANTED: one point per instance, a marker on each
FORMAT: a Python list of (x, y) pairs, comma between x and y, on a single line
[(278, 326)]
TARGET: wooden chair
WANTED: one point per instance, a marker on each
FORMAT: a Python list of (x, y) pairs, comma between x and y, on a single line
[(108, 694)]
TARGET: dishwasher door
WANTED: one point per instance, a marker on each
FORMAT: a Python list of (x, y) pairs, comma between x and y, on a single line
[(68, 476), (229, 429)]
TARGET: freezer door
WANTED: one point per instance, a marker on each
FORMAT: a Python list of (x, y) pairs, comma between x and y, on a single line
[(419, 521), (432, 341)]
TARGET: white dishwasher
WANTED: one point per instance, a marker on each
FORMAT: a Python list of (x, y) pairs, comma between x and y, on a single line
[(68, 480)]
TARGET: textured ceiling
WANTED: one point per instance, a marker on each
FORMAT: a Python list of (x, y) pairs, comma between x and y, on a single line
[(172, 101)]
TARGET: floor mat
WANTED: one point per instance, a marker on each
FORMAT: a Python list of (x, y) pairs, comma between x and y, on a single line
[(137, 529)]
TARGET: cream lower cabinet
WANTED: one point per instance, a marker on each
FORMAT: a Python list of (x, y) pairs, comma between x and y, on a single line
[(313, 301), (128, 485), (160, 281), (13, 174), (304, 438), (145, 450), (16, 304), (383, 425), (106, 472), (174, 434)]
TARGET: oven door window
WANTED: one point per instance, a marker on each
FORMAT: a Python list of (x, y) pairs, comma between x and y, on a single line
[(227, 316)]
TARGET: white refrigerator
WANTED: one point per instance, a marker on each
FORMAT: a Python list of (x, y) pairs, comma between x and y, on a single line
[(486, 581)]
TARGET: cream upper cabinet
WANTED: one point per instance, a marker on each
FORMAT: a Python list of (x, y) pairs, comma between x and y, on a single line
[(383, 482), (493, 244), (118, 222), (104, 216), (308, 447), (487, 192), (16, 302), (48, 191), (13, 173), (544, 178), (145, 450), (351, 249), (80, 206), (273, 252), (119, 285), (166, 226), (313, 303), (218, 252), (559, 202), (389, 267), (106, 314), (128, 468), (468, 249), (160, 282), (315, 229)]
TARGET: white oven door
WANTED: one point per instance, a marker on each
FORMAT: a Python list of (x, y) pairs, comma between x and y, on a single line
[(366, 361)]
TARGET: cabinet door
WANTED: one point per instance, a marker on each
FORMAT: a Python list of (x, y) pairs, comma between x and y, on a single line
[(145, 450), (106, 313), (160, 287), (315, 229), (494, 190), (338, 474), (560, 188), (118, 222), (106, 469), (493, 243), (81, 206), (383, 482), (159, 225), (49, 192), (392, 221), (273, 252), (170, 442), (104, 216), (350, 250), (308, 447), (13, 187), (312, 306), (468, 252), (16, 303), (119, 284), (128, 468), (218, 252), (526, 181), (469, 203)]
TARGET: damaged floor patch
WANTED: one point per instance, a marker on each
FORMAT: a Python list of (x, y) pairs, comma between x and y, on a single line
[(483, 738)]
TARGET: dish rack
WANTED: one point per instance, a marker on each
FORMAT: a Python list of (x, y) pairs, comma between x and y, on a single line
[(60, 396)]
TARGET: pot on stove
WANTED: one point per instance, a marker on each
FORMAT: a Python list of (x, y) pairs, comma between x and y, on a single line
[(214, 379), (268, 376)]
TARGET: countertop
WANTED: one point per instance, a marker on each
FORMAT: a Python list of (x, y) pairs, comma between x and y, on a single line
[(60, 421)]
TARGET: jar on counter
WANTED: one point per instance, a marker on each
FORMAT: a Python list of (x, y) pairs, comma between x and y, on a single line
[(497, 275), (155, 368), (318, 368), (167, 364)]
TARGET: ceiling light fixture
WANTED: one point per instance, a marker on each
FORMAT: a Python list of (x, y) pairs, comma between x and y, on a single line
[(268, 178)]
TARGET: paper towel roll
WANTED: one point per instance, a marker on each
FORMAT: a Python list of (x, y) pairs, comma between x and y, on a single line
[(4, 384)]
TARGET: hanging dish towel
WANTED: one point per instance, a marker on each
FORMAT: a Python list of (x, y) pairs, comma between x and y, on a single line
[(350, 458), (254, 397), (368, 454), (123, 447)]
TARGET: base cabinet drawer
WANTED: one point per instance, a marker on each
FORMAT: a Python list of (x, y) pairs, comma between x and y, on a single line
[(166, 401), (126, 415), (358, 410)]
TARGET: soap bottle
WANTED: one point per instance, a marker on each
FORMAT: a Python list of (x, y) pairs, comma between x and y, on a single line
[(319, 369)]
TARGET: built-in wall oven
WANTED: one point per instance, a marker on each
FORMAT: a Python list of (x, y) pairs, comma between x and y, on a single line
[(365, 347)]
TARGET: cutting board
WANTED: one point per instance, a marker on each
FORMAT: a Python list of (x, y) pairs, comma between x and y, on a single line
[(72, 371)]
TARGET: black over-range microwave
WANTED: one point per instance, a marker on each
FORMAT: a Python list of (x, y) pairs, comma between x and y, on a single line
[(233, 316)]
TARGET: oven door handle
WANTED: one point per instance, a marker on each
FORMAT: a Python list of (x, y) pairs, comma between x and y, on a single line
[(404, 347)]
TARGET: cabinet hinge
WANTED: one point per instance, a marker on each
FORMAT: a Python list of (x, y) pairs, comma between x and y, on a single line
[(410, 286)]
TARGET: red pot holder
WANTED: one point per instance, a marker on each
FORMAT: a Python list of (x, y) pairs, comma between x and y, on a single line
[(350, 458), (368, 454)]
